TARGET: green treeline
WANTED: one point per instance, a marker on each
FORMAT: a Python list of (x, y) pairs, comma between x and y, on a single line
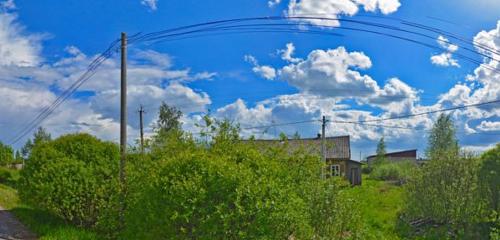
[(218, 186)]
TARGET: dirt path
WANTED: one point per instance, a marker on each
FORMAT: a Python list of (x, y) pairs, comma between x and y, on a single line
[(11, 228)]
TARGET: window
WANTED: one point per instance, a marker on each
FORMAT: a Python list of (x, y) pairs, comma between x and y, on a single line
[(335, 170)]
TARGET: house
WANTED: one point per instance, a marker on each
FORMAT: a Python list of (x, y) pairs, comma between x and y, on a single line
[(338, 155), (408, 155)]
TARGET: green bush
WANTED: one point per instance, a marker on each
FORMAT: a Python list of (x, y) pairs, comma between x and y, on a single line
[(365, 169), (445, 192), (489, 177), (6, 154), (202, 198), (393, 171), (74, 177), (5, 175), (227, 189)]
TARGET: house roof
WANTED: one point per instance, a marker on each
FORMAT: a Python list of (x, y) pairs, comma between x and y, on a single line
[(401, 154), (338, 147)]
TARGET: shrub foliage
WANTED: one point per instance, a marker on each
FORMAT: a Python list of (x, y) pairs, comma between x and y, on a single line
[(399, 172), (74, 177), (226, 188)]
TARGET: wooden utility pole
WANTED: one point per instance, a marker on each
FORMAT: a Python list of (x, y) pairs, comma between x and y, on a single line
[(323, 147), (123, 126), (141, 112)]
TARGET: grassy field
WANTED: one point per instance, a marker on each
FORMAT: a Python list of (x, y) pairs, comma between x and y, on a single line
[(45, 225), (380, 203)]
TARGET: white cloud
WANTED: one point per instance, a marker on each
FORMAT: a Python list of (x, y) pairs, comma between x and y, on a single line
[(16, 47), (145, 67), (445, 59), (273, 3), (335, 8), (151, 56), (395, 97), (333, 73), (489, 126), (287, 53), (8, 5), (264, 71), (188, 101), (487, 79), (28, 82), (151, 4), (329, 73), (446, 44)]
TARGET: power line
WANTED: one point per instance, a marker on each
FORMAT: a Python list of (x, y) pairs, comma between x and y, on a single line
[(412, 129), (280, 124), (374, 125), (366, 122), (226, 30), (217, 25), (45, 112), (432, 112)]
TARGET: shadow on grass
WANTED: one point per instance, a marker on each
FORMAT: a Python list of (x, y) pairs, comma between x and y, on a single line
[(430, 230), (49, 226)]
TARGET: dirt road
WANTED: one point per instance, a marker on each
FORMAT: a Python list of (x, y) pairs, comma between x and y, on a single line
[(11, 228)]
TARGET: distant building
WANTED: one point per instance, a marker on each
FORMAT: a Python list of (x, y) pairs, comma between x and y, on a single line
[(338, 155), (408, 155)]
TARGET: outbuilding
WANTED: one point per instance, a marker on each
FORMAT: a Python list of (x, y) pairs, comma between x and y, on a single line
[(338, 155)]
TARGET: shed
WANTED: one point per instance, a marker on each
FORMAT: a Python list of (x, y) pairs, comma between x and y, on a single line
[(407, 155)]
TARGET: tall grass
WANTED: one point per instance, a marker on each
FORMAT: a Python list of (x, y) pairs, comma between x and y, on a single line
[(398, 172)]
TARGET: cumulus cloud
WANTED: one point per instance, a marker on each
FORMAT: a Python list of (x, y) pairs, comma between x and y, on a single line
[(395, 97), (336, 8), (151, 4), (335, 73), (287, 53), (300, 107), (29, 84), (17, 48), (330, 73), (445, 59), (489, 126), (159, 59), (151, 96), (264, 71), (273, 3), (487, 79)]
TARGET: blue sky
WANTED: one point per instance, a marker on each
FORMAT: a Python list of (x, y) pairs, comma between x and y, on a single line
[(46, 45)]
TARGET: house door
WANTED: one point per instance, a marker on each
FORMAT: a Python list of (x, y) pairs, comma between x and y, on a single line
[(354, 176)]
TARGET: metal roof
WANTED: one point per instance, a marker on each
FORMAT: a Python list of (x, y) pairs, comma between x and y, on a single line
[(401, 154), (338, 147)]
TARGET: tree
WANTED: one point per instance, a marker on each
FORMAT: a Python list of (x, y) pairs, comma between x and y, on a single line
[(380, 151), (6, 154), (445, 191), (18, 158), (40, 136), (442, 140), (26, 149), (74, 177), (168, 119), (489, 175)]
